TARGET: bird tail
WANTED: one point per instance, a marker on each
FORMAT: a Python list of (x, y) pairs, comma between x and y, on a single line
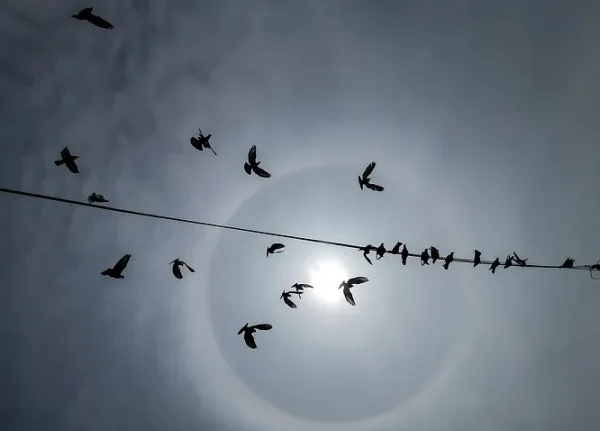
[(361, 183), (59, 162), (247, 168)]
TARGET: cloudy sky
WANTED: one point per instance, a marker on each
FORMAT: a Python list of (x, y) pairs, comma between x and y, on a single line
[(482, 118)]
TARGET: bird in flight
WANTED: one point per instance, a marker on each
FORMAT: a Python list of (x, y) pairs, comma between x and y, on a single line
[(301, 286), (275, 248), (365, 181), (518, 260), (96, 198), (448, 260), (347, 285), (477, 258), (286, 298), (176, 268), (87, 15), (253, 166), (495, 264), (366, 250), (117, 270), (201, 142), (67, 159), (249, 330)]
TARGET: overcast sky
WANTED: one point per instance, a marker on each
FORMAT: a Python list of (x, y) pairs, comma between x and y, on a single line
[(482, 117)]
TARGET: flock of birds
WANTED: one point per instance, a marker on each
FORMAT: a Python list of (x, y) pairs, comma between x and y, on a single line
[(252, 165)]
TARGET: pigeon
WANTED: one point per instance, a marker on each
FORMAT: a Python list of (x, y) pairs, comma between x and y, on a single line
[(252, 165), (404, 254), (286, 298), (365, 181), (67, 159), (448, 260), (396, 249), (518, 260), (117, 270), (347, 285), (275, 248), (366, 250), (249, 330), (495, 264), (380, 251), (568, 263), (87, 15), (435, 254), (477, 258), (177, 263), (201, 142), (508, 261), (96, 198), (301, 286), (425, 257)]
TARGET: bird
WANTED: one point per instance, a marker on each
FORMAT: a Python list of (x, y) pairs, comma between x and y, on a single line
[(494, 265), (477, 258), (276, 247), (301, 286), (177, 263), (286, 298), (435, 254), (425, 257), (508, 261), (96, 198), (87, 15), (253, 166), (117, 270), (448, 260), (67, 159), (249, 330), (366, 250), (518, 260), (365, 181), (404, 254), (350, 283), (568, 263), (396, 249), (380, 251), (201, 142)]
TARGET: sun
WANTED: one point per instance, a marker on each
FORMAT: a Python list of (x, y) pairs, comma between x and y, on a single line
[(326, 276)]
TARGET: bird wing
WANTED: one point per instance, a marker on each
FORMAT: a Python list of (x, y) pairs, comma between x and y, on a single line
[(177, 271), (289, 302), (252, 155), (249, 339), (65, 153), (242, 329), (349, 297), (367, 258), (196, 143), (72, 166), (190, 269), (368, 170), (374, 187), (304, 286), (263, 326), (260, 172), (100, 22), (122, 263), (276, 246), (358, 280)]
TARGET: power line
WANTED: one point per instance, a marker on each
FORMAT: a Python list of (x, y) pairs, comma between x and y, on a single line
[(589, 268)]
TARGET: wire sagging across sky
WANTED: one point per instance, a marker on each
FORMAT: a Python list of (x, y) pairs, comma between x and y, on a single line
[(591, 268)]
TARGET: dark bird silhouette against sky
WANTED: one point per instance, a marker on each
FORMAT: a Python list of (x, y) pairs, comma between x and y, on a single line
[(201, 142), (495, 264), (366, 250), (252, 165), (380, 251), (425, 257), (67, 159), (477, 258), (286, 298), (518, 260), (508, 261), (365, 181), (87, 15), (404, 254), (396, 249), (448, 260), (276, 247), (568, 263), (250, 330), (176, 268), (117, 270), (435, 254), (97, 198), (350, 283), (299, 287)]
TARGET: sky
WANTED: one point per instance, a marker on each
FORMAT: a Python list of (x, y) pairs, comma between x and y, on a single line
[(481, 116)]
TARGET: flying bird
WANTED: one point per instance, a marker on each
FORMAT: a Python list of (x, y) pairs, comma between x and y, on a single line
[(253, 166), (275, 248), (425, 257), (366, 250), (96, 198), (87, 15), (380, 251), (117, 270), (301, 286), (176, 268), (249, 330), (518, 260), (448, 260), (67, 159), (508, 261), (404, 254), (347, 285), (495, 264), (396, 249), (477, 258), (435, 254), (568, 263), (201, 142), (365, 181), (286, 298)]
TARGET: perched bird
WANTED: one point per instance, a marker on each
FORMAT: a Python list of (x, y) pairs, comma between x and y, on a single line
[(117, 270), (495, 264), (275, 248), (96, 198), (396, 249), (87, 15), (404, 254), (366, 250), (286, 298), (568, 263), (201, 142), (365, 181), (435, 254), (448, 260), (252, 165), (177, 263), (477, 258), (67, 159), (518, 260), (249, 330), (347, 285), (508, 261), (425, 257), (380, 251), (301, 286)]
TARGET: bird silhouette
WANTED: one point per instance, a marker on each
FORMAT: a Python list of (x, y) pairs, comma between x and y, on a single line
[(508, 261), (67, 159), (380, 251), (365, 181), (404, 254), (96, 198), (301, 286), (495, 264), (286, 298), (176, 268), (568, 263), (435, 254), (396, 249), (87, 15), (366, 250), (350, 283), (276, 247), (425, 257), (201, 142), (477, 258), (518, 260), (448, 260), (249, 330), (117, 270), (253, 166)]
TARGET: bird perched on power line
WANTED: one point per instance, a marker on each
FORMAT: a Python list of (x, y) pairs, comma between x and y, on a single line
[(176, 268), (495, 264), (117, 270), (366, 250), (448, 260), (250, 330), (508, 261), (435, 254), (87, 15), (96, 198), (67, 159), (365, 181), (425, 257), (201, 142), (404, 254), (380, 251), (274, 248), (568, 263), (477, 258), (253, 166), (286, 298), (347, 285), (396, 249), (301, 286), (518, 260)]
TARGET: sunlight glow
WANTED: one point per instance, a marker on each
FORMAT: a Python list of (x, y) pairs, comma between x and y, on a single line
[(326, 276)]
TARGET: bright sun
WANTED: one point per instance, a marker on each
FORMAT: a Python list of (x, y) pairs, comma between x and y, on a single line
[(326, 276)]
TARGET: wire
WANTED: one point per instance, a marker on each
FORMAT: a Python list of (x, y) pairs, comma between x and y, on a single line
[(589, 268)]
